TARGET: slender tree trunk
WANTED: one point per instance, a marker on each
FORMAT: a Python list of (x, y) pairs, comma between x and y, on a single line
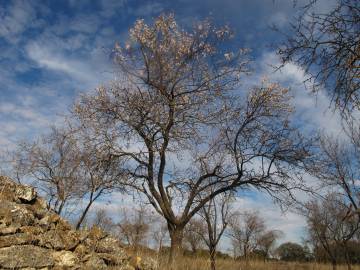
[(212, 258), (348, 262), (246, 255), (334, 264), (160, 246), (347, 257), (83, 215), (193, 248), (176, 237), (59, 210)]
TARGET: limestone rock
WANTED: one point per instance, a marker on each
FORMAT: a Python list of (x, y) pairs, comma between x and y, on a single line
[(25, 193), (24, 256), (66, 259), (94, 262), (17, 239), (33, 237), (8, 230), (108, 245)]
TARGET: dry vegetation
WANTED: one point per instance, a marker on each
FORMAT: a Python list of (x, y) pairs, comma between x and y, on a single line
[(189, 263)]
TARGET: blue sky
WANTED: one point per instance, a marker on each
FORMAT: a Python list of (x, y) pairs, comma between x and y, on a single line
[(50, 51)]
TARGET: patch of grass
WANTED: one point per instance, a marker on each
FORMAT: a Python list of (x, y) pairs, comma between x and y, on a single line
[(198, 263)]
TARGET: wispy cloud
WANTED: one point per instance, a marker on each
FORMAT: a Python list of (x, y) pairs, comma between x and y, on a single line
[(313, 112), (19, 16), (48, 58)]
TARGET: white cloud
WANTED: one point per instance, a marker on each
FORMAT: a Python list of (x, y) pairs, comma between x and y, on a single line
[(291, 224), (20, 16), (313, 110), (54, 61), (79, 72)]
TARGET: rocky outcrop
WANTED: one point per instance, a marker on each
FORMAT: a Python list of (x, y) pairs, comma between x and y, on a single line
[(34, 237)]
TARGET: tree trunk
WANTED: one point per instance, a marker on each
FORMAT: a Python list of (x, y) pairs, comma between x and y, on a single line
[(212, 258), (84, 213), (176, 237), (59, 210), (246, 255), (334, 265), (348, 260), (160, 246)]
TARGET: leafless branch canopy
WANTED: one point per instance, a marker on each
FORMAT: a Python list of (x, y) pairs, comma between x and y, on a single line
[(179, 130), (328, 47)]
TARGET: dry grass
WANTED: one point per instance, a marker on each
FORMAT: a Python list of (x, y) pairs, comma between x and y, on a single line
[(201, 263), (187, 263)]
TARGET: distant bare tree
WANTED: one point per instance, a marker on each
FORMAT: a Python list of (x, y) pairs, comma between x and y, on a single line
[(69, 169), (216, 215), (331, 224), (327, 45), (173, 99), (246, 230), (102, 220), (52, 162), (134, 226), (160, 234), (98, 175), (267, 240), (336, 165), (193, 234)]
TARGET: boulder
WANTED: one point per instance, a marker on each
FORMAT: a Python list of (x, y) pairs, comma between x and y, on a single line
[(25, 193), (94, 262), (66, 259)]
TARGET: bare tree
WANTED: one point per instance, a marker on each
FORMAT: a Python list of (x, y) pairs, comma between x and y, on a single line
[(52, 162), (134, 226), (337, 165), (327, 46), (98, 175), (331, 225), (246, 230), (267, 240), (69, 169), (102, 220), (160, 234), (217, 215), (174, 100), (193, 234)]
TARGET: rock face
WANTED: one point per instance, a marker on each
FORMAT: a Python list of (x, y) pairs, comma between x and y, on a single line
[(33, 237)]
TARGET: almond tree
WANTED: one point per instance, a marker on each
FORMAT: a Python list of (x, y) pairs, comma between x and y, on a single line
[(52, 162), (216, 215), (68, 169), (97, 174), (180, 130)]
